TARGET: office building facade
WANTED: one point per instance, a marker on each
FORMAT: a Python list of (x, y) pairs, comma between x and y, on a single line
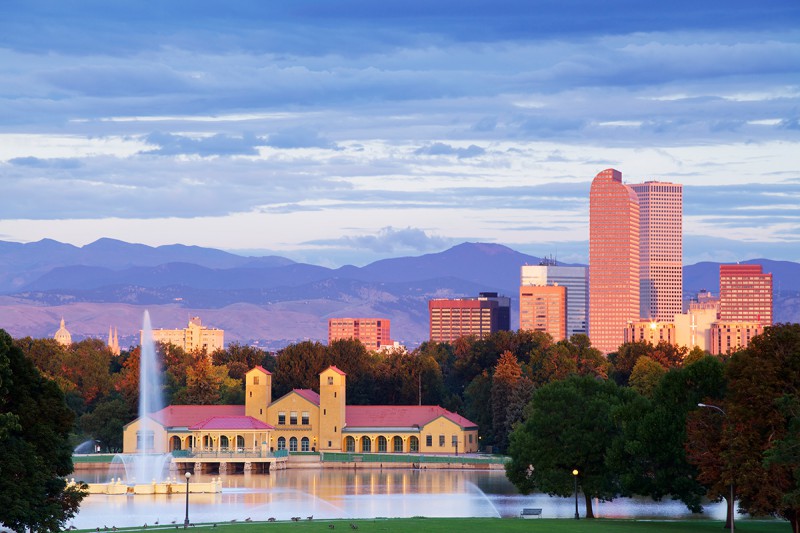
[(373, 333), (660, 249), (544, 308), (451, 318), (745, 294), (574, 279), (613, 260)]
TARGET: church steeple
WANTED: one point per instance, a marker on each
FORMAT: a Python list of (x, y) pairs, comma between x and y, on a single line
[(113, 341)]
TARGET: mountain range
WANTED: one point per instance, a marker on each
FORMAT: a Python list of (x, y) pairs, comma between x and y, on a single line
[(271, 300)]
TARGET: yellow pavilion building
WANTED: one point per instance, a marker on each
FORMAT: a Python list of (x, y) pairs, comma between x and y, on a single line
[(301, 421)]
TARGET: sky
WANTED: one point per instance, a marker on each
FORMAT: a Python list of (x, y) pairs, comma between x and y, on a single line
[(349, 131)]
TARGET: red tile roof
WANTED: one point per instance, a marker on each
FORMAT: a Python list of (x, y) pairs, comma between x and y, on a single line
[(400, 416), (231, 422), (264, 370), (332, 367), (189, 415), (309, 395)]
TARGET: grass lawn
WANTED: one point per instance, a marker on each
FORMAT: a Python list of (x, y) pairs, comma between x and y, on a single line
[(486, 525)]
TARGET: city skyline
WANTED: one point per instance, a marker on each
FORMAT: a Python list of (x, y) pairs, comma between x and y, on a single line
[(360, 132)]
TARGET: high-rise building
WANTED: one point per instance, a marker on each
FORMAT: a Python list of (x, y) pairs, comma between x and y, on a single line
[(573, 279), (544, 308), (727, 337), (459, 317), (693, 328), (650, 331), (745, 294), (195, 337), (372, 332), (660, 249), (613, 259)]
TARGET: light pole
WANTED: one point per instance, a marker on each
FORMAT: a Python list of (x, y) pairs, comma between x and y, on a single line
[(732, 507), (186, 520), (575, 477)]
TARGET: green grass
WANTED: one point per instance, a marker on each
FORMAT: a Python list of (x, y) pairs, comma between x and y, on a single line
[(490, 525)]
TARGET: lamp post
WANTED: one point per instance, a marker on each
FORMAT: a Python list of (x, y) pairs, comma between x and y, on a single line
[(186, 520), (575, 477), (731, 508)]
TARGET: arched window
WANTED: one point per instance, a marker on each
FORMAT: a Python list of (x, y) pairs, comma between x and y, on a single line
[(304, 447), (397, 444), (208, 442), (413, 444), (350, 444), (223, 442), (381, 443), (174, 443), (240, 443), (293, 444), (189, 442), (281, 443), (366, 444)]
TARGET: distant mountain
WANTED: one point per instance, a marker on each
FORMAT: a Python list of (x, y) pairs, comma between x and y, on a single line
[(271, 298), (21, 264)]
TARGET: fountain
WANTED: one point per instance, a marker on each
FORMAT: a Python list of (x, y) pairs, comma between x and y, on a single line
[(146, 472)]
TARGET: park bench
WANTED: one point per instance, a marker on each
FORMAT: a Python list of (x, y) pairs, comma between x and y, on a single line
[(529, 512)]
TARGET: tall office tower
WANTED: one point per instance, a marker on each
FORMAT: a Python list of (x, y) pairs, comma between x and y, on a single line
[(459, 317), (544, 308), (372, 332), (576, 283), (745, 294), (660, 249), (613, 259)]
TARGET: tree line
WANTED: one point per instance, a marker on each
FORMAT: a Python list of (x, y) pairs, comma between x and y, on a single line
[(629, 423)]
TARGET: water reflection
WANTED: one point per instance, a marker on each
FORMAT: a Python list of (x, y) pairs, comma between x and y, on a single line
[(355, 494)]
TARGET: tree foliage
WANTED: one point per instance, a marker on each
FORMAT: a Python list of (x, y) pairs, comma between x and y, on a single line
[(35, 455), (570, 425)]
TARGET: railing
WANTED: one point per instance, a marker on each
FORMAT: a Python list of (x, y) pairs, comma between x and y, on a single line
[(338, 457), (227, 454)]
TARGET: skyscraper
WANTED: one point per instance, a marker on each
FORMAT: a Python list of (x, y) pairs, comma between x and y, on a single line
[(660, 250), (544, 308), (577, 286), (745, 294), (613, 259)]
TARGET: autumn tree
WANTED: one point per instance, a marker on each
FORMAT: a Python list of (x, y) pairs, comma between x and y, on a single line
[(763, 384), (510, 391), (646, 375)]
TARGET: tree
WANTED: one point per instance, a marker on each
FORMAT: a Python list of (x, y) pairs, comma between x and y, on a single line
[(646, 375), (505, 381), (763, 385), (298, 367), (106, 422), (573, 356), (649, 454), (238, 358), (35, 455), (207, 384), (569, 426)]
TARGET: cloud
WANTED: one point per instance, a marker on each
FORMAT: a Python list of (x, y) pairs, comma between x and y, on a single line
[(300, 138), (54, 163), (439, 148), (390, 240), (219, 144)]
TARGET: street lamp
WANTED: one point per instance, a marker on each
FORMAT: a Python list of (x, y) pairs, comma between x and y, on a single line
[(186, 520), (732, 508), (575, 477)]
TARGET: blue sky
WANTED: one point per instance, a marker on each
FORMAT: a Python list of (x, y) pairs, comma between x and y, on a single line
[(343, 132)]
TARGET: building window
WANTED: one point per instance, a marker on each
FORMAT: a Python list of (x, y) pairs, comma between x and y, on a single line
[(223, 442), (255, 382), (240, 443), (397, 444), (305, 418), (413, 444), (293, 444), (454, 440), (349, 444), (429, 441), (281, 418), (470, 438), (304, 444), (293, 418), (441, 441), (366, 444), (281, 443), (145, 440), (324, 412), (381, 443), (330, 380)]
